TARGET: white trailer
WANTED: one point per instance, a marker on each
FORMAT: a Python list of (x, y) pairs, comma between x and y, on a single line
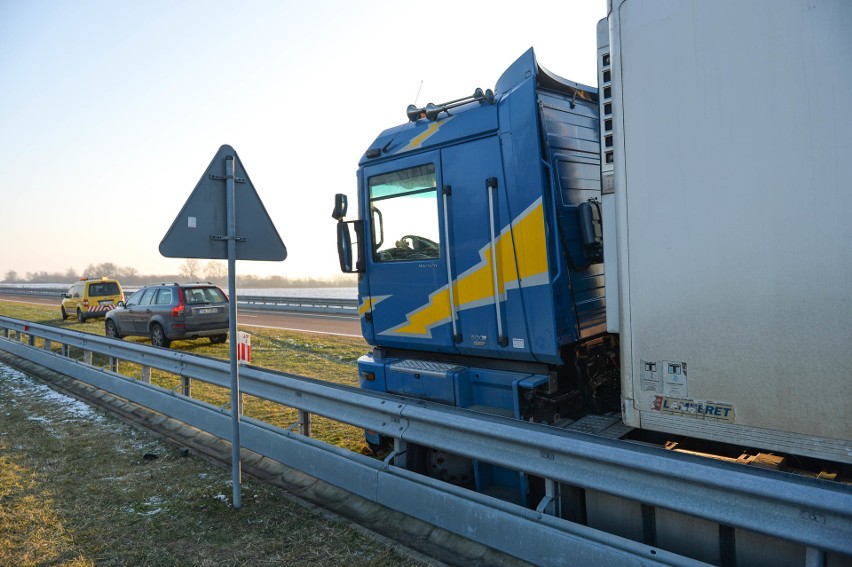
[(727, 150)]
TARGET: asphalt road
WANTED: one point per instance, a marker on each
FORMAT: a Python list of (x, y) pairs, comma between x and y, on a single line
[(322, 323)]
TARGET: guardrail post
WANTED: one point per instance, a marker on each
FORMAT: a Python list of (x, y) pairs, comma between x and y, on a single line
[(87, 357), (146, 374), (31, 340), (186, 385), (400, 449), (47, 345), (305, 423), (5, 332), (814, 557), (113, 364), (550, 503)]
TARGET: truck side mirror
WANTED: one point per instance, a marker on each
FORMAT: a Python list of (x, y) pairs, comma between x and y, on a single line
[(344, 247), (341, 205), (591, 230)]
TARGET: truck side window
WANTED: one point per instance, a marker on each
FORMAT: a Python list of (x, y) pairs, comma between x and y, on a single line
[(404, 207)]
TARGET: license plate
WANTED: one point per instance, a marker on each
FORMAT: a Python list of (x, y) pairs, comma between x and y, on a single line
[(105, 302), (207, 310)]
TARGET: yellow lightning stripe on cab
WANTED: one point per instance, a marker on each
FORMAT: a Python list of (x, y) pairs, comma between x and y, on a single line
[(367, 303), (430, 131), (476, 286)]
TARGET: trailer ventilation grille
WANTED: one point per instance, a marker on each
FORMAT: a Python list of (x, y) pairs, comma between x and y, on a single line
[(607, 143)]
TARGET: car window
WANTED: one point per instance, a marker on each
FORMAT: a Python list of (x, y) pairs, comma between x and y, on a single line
[(148, 296), (215, 295), (103, 288), (164, 297), (75, 290), (134, 299), (193, 295)]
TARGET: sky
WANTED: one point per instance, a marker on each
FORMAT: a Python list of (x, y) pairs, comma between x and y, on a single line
[(111, 110)]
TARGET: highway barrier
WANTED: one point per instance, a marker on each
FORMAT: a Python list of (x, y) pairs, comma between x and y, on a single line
[(764, 512)]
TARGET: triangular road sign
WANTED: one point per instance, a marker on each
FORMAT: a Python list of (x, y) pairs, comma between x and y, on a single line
[(200, 229)]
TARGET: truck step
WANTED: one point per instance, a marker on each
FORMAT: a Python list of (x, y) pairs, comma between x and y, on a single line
[(608, 425), (504, 412), (440, 369)]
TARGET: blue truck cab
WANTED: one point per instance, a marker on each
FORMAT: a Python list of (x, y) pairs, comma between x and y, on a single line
[(478, 248)]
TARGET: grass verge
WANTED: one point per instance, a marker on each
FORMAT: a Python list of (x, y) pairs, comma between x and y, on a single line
[(80, 488)]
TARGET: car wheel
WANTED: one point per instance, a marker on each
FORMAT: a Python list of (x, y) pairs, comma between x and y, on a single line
[(80, 317), (158, 336), (111, 329), (64, 313), (218, 339)]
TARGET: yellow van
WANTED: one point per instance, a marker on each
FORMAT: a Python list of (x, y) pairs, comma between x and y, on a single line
[(91, 298)]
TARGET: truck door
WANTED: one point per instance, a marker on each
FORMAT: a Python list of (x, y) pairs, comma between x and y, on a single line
[(482, 253), (408, 301)]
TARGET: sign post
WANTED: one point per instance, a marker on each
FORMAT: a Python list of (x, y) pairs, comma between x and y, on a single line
[(230, 199), (212, 225)]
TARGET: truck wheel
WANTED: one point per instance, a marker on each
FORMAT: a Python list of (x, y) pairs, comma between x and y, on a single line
[(111, 330), (218, 339), (80, 317), (158, 336), (64, 313), (449, 467)]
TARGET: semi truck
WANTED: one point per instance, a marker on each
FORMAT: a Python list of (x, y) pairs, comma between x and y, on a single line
[(666, 254)]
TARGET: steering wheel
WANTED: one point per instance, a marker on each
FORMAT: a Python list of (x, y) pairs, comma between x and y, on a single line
[(419, 243)]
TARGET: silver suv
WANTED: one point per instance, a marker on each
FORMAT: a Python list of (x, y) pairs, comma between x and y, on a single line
[(170, 311)]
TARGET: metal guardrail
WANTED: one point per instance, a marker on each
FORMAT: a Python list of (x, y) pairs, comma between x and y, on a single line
[(307, 304), (291, 304), (32, 291), (811, 512)]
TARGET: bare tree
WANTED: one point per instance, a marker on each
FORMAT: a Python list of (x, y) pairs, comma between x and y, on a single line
[(127, 272), (190, 269), (98, 270), (71, 274), (11, 276), (216, 270), (107, 269)]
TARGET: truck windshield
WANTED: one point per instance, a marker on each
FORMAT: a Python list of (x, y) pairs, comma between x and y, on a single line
[(405, 215)]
